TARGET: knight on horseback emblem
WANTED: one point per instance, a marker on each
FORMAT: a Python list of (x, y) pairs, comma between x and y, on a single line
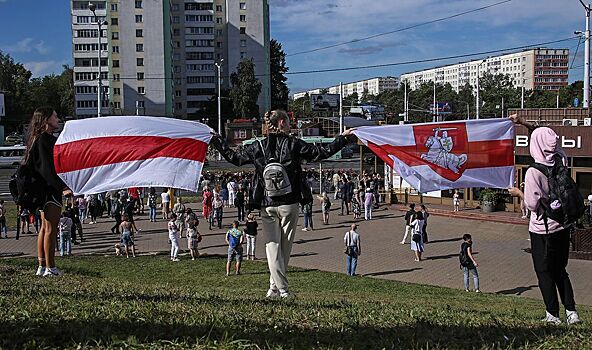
[(440, 151)]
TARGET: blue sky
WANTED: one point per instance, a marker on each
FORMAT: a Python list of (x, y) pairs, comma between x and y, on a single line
[(37, 33)]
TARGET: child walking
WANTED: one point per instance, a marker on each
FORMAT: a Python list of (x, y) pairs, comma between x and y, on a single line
[(468, 262), (65, 229), (174, 236), (126, 236), (234, 238)]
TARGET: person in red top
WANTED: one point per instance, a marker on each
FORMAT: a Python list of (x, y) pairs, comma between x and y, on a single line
[(207, 202), (134, 194)]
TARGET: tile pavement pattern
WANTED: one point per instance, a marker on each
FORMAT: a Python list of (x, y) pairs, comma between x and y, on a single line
[(505, 267)]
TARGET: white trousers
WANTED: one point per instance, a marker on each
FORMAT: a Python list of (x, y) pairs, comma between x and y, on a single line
[(279, 225), (251, 245), (408, 231), (174, 245), (231, 198)]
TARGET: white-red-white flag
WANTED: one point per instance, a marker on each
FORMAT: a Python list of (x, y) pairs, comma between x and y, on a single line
[(439, 156), (109, 153)]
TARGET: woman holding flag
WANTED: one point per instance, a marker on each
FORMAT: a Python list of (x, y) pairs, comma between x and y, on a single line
[(279, 186)]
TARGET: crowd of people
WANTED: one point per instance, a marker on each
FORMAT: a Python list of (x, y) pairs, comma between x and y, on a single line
[(279, 188)]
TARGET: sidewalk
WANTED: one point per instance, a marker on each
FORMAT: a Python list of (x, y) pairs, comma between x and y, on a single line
[(469, 214), (505, 267)]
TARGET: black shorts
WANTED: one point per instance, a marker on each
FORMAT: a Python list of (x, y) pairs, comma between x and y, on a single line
[(52, 197)]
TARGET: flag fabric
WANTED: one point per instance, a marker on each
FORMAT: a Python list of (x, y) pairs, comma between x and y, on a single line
[(110, 153), (440, 156)]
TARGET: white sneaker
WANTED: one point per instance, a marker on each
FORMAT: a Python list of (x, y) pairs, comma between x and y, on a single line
[(176, 259), (305, 229), (550, 319), (52, 272), (272, 293), (572, 317), (40, 271), (284, 294), (402, 242)]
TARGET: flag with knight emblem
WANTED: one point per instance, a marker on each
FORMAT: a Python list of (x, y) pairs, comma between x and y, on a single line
[(448, 155)]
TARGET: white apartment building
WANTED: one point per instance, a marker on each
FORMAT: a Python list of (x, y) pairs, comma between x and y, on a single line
[(158, 56), (536, 69), (373, 86)]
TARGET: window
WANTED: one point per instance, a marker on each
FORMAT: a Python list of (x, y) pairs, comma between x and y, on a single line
[(116, 77), (218, 8), (177, 93), (199, 18), (117, 91), (201, 79), (175, 7), (140, 76), (199, 30), (243, 55), (177, 69), (139, 104), (176, 31), (177, 44), (139, 19), (176, 19), (243, 43), (219, 44), (138, 4), (178, 105), (115, 35), (114, 21), (115, 63), (141, 90), (219, 20), (117, 105), (176, 57), (139, 47), (199, 6), (139, 33), (243, 30), (114, 7), (199, 43), (240, 134), (199, 56), (243, 18), (219, 32), (242, 5), (139, 62), (115, 49)]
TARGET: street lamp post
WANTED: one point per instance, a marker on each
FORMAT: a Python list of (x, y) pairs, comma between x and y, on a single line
[(92, 7), (477, 95), (219, 66)]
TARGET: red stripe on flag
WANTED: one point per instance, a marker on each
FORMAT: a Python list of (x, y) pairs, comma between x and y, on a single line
[(482, 154), (94, 152)]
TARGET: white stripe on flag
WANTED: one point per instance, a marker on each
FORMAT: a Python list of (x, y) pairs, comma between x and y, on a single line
[(156, 172), (490, 129), (133, 126)]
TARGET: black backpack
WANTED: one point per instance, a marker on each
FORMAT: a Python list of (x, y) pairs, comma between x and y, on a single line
[(28, 188), (463, 257), (565, 204)]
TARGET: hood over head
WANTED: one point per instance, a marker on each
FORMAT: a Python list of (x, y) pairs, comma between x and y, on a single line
[(544, 144)]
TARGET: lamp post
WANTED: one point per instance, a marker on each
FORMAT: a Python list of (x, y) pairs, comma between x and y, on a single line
[(219, 66), (477, 95), (92, 7)]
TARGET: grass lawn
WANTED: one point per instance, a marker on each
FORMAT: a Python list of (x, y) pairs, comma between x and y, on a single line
[(152, 303)]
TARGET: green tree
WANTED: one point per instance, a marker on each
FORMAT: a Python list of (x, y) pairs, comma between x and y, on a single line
[(493, 89), (301, 107), (464, 100), (245, 90), (14, 81), (350, 100), (278, 69), (56, 91), (568, 93)]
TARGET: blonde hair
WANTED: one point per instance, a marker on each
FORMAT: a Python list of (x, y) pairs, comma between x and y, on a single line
[(272, 119)]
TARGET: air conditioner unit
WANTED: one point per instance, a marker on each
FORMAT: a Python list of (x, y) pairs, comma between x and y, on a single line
[(587, 121), (570, 122)]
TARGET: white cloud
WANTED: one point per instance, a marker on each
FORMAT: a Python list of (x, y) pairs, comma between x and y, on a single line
[(42, 68), (28, 45)]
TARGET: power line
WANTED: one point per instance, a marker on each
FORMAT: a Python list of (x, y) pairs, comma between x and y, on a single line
[(399, 30), (427, 59)]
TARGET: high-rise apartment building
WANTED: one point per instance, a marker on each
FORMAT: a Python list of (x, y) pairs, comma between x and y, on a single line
[(372, 86), (536, 69), (159, 56)]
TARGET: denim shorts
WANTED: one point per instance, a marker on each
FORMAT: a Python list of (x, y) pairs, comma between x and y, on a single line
[(235, 252), (127, 240)]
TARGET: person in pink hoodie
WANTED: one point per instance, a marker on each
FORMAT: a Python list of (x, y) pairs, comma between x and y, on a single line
[(549, 243)]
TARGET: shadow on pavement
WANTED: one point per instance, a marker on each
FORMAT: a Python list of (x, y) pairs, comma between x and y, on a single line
[(301, 241), (446, 240), (392, 272)]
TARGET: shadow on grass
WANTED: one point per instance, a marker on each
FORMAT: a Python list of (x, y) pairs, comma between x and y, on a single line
[(421, 334), (392, 272), (517, 290)]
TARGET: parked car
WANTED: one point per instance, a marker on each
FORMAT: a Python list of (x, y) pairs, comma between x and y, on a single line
[(13, 139)]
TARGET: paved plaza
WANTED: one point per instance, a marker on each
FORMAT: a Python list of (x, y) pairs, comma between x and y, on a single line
[(505, 267)]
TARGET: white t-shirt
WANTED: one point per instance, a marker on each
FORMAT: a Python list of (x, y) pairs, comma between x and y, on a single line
[(165, 197), (351, 238), (231, 186)]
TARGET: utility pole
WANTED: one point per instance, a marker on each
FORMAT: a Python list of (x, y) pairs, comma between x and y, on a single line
[(405, 111), (435, 117), (477, 95), (522, 98), (92, 7), (586, 98), (219, 66), (341, 126)]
